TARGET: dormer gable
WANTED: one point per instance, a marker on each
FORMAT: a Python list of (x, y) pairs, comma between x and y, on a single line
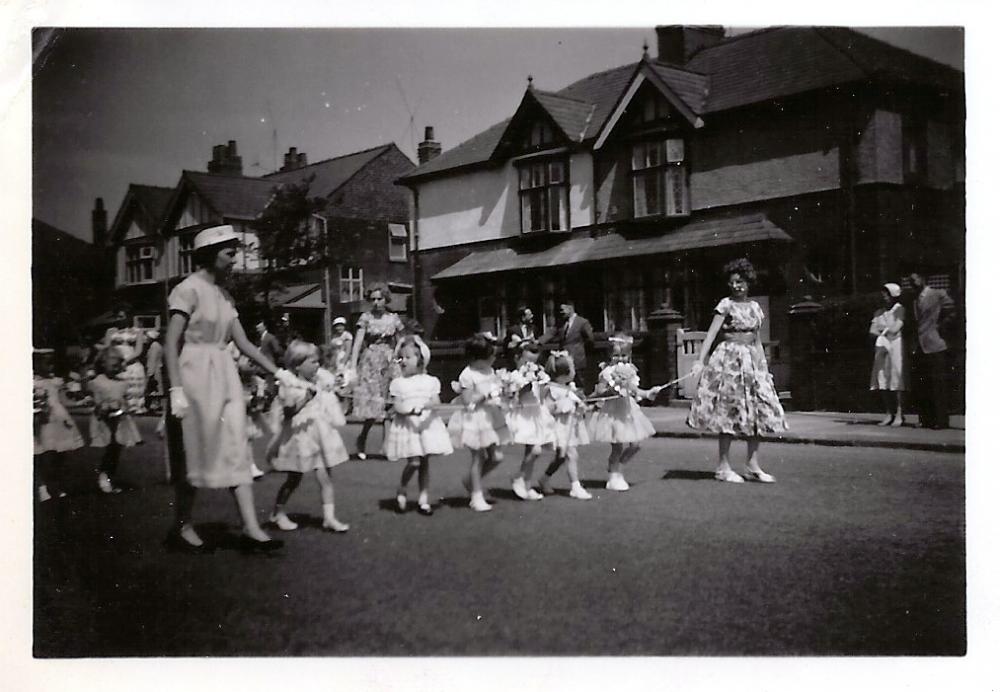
[(656, 95), (542, 121)]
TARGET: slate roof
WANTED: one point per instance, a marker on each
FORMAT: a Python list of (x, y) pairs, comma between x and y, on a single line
[(731, 230), (234, 196), (330, 173), (152, 200), (739, 71), (572, 116)]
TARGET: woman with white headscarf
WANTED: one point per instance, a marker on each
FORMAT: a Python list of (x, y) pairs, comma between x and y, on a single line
[(888, 374)]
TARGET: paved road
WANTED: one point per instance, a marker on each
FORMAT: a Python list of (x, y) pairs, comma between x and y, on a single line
[(854, 551)]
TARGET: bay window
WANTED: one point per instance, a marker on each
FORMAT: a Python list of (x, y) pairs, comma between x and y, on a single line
[(544, 196), (659, 179)]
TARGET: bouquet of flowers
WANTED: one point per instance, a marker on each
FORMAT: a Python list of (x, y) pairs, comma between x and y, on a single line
[(259, 395), (513, 383), (622, 378)]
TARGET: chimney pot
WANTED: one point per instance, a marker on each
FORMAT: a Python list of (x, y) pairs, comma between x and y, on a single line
[(99, 223), (428, 149), (676, 44), (429, 133)]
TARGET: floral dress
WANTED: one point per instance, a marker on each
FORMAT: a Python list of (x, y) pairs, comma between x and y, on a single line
[(376, 368), (736, 393)]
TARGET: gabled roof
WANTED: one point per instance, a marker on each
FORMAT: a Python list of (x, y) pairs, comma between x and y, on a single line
[(738, 71), (571, 115), (330, 174), (150, 202), (234, 196)]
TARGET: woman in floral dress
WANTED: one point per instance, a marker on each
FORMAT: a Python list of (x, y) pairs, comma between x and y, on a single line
[(372, 359), (736, 395)]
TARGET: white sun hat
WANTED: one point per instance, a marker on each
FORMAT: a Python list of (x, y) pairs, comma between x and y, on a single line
[(215, 235)]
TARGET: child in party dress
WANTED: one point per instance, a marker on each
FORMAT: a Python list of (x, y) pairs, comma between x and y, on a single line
[(414, 432), (111, 426), (54, 430), (529, 422), (480, 425), (569, 428), (307, 439), (619, 420)]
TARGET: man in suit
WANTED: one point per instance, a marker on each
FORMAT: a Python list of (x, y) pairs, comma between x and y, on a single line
[(269, 344), (931, 308), (575, 335), (524, 330)]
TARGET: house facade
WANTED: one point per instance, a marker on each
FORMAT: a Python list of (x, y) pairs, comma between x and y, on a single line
[(833, 161), (364, 217)]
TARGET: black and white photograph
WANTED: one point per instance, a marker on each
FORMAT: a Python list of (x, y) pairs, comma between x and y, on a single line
[(587, 342)]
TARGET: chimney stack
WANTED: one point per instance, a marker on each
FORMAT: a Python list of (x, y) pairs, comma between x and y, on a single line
[(294, 160), (225, 160), (677, 44), (99, 223), (428, 149)]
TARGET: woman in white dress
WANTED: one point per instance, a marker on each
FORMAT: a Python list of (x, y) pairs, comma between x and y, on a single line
[(888, 373)]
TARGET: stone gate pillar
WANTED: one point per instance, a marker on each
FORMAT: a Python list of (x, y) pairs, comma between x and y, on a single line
[(802, 334), (661, 350)]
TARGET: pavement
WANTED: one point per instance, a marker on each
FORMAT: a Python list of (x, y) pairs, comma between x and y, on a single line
[(831, 429)]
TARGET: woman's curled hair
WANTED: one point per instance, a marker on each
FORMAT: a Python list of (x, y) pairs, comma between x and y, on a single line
[(742, 267)]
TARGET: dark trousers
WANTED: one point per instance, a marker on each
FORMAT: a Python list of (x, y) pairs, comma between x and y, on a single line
[(50, 469), (109, 460), (930, 388)]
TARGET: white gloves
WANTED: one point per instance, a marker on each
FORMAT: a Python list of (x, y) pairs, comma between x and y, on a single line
[(178, 402)]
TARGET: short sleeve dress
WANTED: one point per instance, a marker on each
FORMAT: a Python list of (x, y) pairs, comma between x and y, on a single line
[(308, 439), (529, 422), (888, 372), (420, 435), (55, 430), (214, 428), (736, 393), (485, 425), (375, 365), (569, 426), (110, 397)]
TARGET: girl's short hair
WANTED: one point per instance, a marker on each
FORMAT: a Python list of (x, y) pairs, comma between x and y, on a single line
[(559, 365), (377, 288), (104, 356), (414, 343), (478, 347), (297, 353), (742, 267)]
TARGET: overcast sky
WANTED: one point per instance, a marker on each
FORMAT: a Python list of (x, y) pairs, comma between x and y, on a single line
[(113, 107)]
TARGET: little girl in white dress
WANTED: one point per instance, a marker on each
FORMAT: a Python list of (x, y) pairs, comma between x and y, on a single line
[(530, 423), (480, 425), (569, 425), (307, 439), (619, 420), (414, 432)]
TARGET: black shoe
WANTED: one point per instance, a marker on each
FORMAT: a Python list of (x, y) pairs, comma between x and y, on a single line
[(252, 545), (175, 543)]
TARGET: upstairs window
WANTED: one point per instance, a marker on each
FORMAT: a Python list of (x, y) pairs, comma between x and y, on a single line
[(544, 196), (185, 254), (660, 179), (352, 283), (397, 242), (139, 263), (538, 136)]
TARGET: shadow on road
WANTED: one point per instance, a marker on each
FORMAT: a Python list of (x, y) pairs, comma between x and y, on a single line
[(682, 475)]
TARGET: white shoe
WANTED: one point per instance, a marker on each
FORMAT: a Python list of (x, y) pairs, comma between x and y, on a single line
[(479, 504), (728, 476), (255, 472), (578, 492), (43, 494), (282, 521), (104, 483), (534, 495), (758, 476), (401, 502), (617, 482), (519, 488)]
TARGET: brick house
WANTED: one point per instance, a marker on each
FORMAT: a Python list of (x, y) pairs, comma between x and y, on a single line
[(365, 215), (832, 160)]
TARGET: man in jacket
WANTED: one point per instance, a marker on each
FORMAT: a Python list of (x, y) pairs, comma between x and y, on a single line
[(931, 308), (573, 334)]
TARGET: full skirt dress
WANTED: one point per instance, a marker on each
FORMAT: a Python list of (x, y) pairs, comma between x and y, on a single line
[(620, 421)]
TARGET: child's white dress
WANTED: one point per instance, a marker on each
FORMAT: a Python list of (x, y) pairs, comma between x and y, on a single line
[(484, 425), (55, 430), (618, 420), (307, 439), (569, 426), (420, 435), (110, 396), (529, 422)]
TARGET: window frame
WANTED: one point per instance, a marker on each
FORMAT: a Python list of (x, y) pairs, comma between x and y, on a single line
[(185, 255), (398, 242), (665, 163), (351, 281), (542, 191), (137, 260)]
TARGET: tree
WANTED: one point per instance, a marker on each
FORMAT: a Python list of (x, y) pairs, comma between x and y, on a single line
[(286, 236)]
